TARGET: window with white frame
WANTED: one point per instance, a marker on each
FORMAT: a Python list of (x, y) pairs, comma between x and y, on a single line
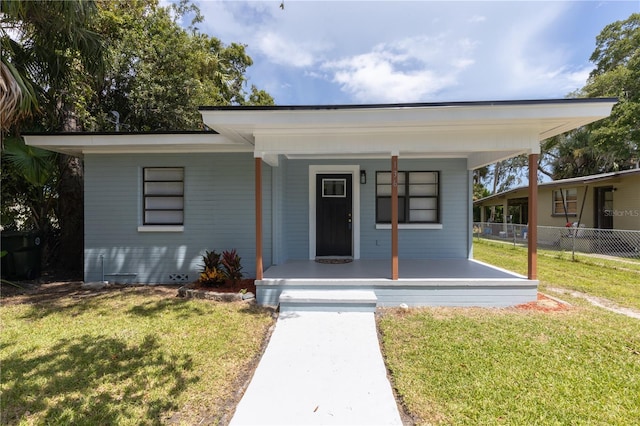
[(565, 201), (418, 197), (163, 199)]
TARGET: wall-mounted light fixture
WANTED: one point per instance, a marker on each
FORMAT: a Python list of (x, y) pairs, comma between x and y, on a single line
[(363, 177)]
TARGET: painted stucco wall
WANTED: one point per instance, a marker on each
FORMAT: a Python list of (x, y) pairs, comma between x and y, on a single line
[(626, 203), (219, 215)]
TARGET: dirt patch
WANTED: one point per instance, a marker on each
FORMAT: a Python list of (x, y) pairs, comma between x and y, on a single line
[(544, 304), (51, 289)]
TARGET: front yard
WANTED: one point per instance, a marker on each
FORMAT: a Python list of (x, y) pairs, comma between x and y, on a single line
[(139, 355), (131, 356), (475, 366)]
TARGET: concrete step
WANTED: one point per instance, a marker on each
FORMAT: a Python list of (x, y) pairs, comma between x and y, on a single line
[(328, 300)]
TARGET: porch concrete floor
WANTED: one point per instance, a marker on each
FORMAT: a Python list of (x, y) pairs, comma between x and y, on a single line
[(381, 269), (320, 368)]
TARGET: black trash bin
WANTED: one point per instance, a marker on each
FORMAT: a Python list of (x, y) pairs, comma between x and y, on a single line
[(24, 252)]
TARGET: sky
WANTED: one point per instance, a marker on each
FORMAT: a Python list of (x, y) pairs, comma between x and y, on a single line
[(353, 52)]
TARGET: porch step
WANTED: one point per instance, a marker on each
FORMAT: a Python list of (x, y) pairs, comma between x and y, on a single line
[(328, 300)]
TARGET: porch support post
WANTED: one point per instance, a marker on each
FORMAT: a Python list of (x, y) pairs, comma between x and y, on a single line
[(394, 217), (258, 197), (532, 227)]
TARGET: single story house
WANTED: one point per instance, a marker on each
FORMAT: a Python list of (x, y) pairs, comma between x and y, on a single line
[(602, 201), (371, 198)]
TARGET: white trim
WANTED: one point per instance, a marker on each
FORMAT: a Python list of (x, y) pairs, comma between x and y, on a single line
[(410, 226), (354, 170), (161, 228)]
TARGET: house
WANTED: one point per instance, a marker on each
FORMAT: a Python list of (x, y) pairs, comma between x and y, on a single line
[(602, 201), (370, 198)]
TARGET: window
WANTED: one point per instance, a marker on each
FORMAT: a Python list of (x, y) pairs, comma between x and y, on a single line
[(565, 201), (334, 188), (163, 190), (418, 197)]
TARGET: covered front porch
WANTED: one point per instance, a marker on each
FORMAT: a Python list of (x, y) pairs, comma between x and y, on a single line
[(421, 282)]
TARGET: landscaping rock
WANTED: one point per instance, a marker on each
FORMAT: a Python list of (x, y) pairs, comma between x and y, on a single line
[(210, 295)]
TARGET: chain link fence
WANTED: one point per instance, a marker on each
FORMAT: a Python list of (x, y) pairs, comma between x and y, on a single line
[(608, 242)]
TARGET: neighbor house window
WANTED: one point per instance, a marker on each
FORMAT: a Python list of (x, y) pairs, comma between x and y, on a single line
[(565, 201), (163, 190), (418, 197)]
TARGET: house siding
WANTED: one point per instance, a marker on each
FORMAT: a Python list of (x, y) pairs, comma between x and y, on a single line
[(219, 215), (449, 242)]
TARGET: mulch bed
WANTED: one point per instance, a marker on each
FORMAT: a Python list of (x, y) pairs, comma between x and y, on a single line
[(247, 284), (544, 304)]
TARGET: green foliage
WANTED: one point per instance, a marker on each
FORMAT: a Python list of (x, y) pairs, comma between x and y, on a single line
[(160, 73), (613, 143), (55, 41), (29, 187)]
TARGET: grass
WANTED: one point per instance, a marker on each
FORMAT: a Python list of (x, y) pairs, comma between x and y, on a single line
[(505, 366), (613, 280), (129, 357)]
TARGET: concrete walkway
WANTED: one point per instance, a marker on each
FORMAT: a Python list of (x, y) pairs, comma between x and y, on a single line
[(320, 368)]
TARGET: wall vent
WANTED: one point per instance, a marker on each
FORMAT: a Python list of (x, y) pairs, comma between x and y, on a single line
[(179, 278)]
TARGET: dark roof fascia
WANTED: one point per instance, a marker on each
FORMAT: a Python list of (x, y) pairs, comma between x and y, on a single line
[(161, 132), (576, 180), (403, 105)]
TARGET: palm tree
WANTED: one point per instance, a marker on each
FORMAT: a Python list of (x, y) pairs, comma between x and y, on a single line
[(46, 46), (42, 42)]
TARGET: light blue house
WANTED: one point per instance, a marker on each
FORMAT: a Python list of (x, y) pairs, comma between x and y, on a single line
[(327, 179)]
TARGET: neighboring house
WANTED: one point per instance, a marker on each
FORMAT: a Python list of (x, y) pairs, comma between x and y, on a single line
[(602, 201), (286, 185)]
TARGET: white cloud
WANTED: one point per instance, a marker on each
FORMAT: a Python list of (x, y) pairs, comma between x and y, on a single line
[(387, 51), (411, 69), (287, 51)]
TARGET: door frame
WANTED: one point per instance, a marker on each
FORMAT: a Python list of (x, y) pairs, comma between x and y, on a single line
[(354, 171)]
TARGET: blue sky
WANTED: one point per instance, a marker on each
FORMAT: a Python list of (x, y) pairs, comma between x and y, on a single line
[(345, 52)]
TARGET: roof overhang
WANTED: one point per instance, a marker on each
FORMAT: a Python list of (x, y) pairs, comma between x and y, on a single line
[(79, 144), (481, 132)]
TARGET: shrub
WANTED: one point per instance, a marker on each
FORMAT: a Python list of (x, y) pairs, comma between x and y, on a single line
[(231, 264), (212, 273)]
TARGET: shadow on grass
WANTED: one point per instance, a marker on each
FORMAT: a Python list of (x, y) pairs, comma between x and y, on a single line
[(181, 307), (93, 380)]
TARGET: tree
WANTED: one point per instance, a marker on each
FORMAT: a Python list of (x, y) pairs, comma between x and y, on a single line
[(45, 47), (160, 72), (617, 73), (70, 65), (613, 143), (42, 44), (607, 145)]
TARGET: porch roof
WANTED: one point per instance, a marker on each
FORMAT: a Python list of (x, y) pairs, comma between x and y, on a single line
[(482, 132)]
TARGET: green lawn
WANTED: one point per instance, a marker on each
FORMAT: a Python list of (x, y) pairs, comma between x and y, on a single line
[(510, 366), (613, 280), (504, 366), (127, 357)]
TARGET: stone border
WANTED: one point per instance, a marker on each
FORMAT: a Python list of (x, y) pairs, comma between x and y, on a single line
[(214, 295)]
